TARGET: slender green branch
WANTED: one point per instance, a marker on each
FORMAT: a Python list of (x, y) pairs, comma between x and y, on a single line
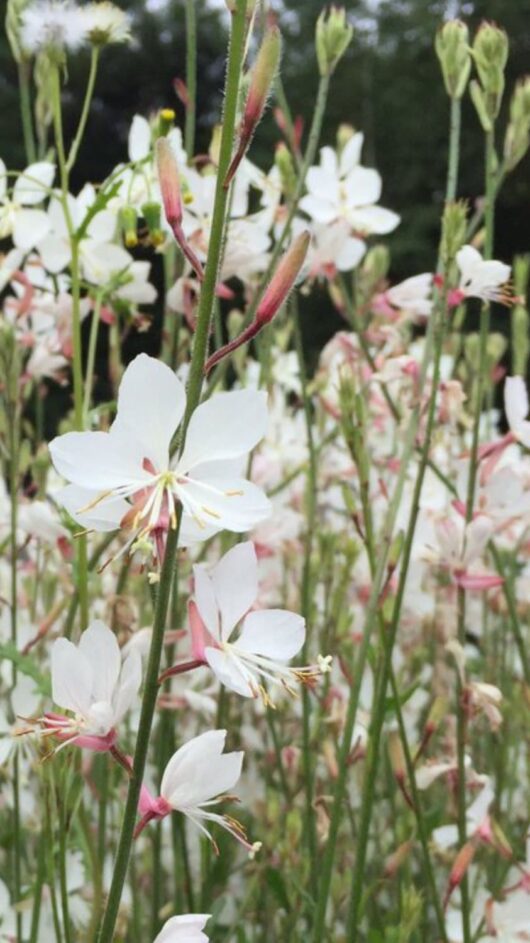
[(89, 92), (191, 77), (24, 84)]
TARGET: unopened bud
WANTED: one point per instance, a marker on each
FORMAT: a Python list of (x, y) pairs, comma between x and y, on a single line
[(396, 548), (454, 226), (397, 757), (479, 100), (520, 320), (397, 858), (452, 49), (128, 219), (375, 264), (517, 138), (283, 279), (261, 79), (166, 121), (344, 134), (333, 36), (152, 213), (496, 348), (169, 179), (284, 162), (490, 52), (461, 864)]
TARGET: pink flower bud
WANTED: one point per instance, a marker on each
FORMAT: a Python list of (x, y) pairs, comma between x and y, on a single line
[(283, 279), (168, 176)]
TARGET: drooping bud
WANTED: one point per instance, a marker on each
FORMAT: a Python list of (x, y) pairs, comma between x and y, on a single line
[(459, 869), (517, 138), (128, 219), (169, 179), (274, 297), (490, 52), (452, 49), (333, 36), (261, 79), (397, 858), (283, 279), (151, 212), (454, 226), (520, 346)]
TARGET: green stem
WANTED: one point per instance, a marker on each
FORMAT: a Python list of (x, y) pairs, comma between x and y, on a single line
[(89, 92), (235, 62), (454, 150), (191, 77), (24, 84), (37, 889), (91, 357)]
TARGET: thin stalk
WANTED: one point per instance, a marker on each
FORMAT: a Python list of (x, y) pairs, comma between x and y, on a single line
[(235, 62), (37, 890), (307, 590), (509, 595), (191, 77), (14, 447), (89, 92), (454, 150), (24, 84), (91, 357)]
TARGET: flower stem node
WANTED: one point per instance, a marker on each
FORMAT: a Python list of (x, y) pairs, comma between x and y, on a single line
[(333, 36), (452, 49)]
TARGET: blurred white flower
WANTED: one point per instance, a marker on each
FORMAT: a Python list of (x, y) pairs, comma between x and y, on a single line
[(18, 216), (185, 929), (52, 25)]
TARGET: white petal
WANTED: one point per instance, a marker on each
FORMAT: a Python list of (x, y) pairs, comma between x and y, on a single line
[(229, 671), (3, 181), (32, 186), (129, 684), (274, 633), (71, 677), (318, 208), (199, 771), (103, 517), (351, 153), (102, 226), (323, 185), (98, 461), (363, 186), (185, 929), (139, 138), (55, 253), (467, 259), (235, 582), (515, 401), (231, 503), (151, 403), (29, 228), (101, 260), (206, 601), (373, 219), (101, 648), (225, 426), (350, 254)]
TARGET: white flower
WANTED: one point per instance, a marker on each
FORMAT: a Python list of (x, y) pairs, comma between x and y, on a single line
[(185, 929), (53, 25), (412, 295), (482, 279), (139, 139), (106, 23), (516, 408), (268, 638), (332, 249), (129, 473), (90, 680), (343, 189), (18, 216), (198, 775)]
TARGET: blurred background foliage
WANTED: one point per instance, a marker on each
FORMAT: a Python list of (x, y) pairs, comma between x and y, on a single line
[(388, 85)]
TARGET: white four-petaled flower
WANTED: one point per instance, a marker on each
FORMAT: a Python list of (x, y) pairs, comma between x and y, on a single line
[(481, 278), (128, 477)]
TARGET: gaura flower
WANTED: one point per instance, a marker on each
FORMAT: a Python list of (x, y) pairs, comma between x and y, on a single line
[(516, 408), (20, 216), (91, 681), (268, 638), (197, 776), (185, 929), (127, 477), (481, 278)]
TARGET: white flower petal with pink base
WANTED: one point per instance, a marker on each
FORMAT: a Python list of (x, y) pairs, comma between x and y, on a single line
[(71, 677), (225, 426), (32, 186), (129, 684), (151, 403), (373, 219), (274, 633), (29, 228), (185, 929), (100, 646), (105, 516), (199, 772), (206, 600)]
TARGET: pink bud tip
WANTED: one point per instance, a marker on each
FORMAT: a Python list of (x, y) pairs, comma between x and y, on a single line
[(168, 176), (283, 279)]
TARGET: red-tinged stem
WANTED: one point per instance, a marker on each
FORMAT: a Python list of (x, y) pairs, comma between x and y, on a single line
[(186, 249), (180, 669), (236, 160), (247, 335)]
